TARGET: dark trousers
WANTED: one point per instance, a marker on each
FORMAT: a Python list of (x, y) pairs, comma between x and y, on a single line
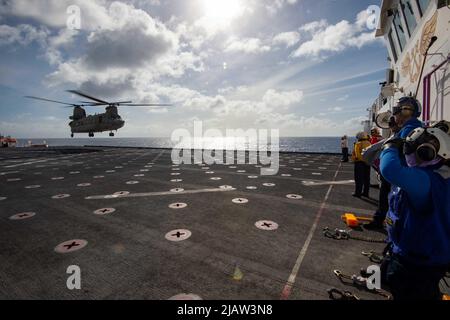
[(345, 154), (410, 282), (383, 200), (362, 178)]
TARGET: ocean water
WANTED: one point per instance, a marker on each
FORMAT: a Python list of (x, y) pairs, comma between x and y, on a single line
[(289, 144)]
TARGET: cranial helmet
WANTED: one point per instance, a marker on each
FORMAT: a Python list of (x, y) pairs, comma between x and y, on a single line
[(408, 103)]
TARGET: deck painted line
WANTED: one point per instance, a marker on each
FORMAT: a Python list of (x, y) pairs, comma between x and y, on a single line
[(158, 156), (324, 183), (27, 163), (163, 193), (8, 172), (291, 281), (33, 161)]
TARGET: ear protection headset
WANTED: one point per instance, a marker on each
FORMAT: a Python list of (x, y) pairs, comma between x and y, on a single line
[(428, 144)]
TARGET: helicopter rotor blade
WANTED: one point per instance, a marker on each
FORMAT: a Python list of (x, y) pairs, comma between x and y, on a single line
[(145, 105), (122, 102), (98, 104), (105, 104), (84, 95), (90, 102), (48, 100)]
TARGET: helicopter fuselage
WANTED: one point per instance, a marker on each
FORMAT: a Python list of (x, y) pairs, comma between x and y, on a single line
[(96, 123), (108, 121)]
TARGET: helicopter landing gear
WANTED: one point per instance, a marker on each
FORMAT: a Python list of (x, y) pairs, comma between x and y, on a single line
[(111, 134), (91, 134)]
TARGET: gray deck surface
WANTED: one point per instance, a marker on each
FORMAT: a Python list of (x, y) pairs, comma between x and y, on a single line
[(128, 256)]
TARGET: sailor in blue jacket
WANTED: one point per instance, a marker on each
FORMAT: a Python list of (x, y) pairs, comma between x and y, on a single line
[(405, 116), (418, 220)]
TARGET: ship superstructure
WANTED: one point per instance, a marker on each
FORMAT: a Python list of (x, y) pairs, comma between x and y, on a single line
[(416, 33)]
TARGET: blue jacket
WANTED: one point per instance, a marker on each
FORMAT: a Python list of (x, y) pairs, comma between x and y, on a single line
[(419, 211), (409, 126)]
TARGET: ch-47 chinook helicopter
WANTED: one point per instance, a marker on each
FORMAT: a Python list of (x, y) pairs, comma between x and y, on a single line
[(108, 121)]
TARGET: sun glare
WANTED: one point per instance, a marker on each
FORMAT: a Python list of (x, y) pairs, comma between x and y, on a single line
[(222, 12)]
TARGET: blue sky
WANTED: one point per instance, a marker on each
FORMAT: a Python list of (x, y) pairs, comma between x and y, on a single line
[(305, 67)]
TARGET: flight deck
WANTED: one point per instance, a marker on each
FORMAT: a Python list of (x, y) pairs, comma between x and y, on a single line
[(141, 227)]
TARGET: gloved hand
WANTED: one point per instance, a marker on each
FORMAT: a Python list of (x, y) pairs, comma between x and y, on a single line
[(394, 142)]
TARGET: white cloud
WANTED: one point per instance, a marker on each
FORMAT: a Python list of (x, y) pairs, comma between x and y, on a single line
[(233, 90), (134, 40), (203, 103), (291, 125), (133, 52), (283, 98), (25, 34), (287, 39), (129, 47), (63, 38), (158, 110), (312, 27), (246, 45), (53, 13), (121, 39), (343, 98), (272, 100), (192, 34), (274, 6), (335, 38), (22, 34)]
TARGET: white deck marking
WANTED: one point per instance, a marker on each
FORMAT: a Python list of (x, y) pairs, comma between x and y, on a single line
[(163, 193), (157, 157), (33, 161), (27, 163), (291, 281), (9, 172), (185, 296), (312, 183), (266, 225), (178, 235)]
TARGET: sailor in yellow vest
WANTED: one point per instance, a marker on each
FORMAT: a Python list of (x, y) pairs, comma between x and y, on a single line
[(362, 168)]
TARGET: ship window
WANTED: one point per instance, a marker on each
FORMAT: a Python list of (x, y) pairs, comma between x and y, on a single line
[(399, 30), (408, 13), (423, 5), (391, 43)]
